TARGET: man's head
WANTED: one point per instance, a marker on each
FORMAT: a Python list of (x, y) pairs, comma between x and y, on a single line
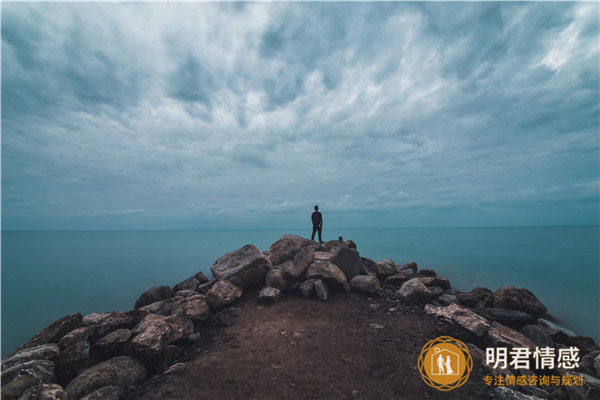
[(316, 208)]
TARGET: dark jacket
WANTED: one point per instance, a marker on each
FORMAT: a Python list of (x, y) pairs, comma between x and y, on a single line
[(317, 218)]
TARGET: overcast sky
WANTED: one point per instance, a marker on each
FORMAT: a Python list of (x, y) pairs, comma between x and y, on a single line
[(168, 116)]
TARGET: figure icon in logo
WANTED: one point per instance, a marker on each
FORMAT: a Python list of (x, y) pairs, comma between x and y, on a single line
[(440, 365), (449, 366), (444, 366)]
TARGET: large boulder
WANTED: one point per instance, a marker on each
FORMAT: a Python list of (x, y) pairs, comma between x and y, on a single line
[(461, 316), (120, 371), (537, 336), (501, 335), (190, 283), (203, 288), (200, 277), (444, 283), (54, 332), (512, 318), (365, 283), (300, 263), (111, 343), (385, 267), (163, 307), (411, 265), (427, 272), (287, 247), (477, 298), (414, 291), (155, 332), (348, 260), (194, 307), (223, 293), (245, 267), (20, 377), (321, 289), (47, 391), (276, 279), (115, 320), (42, 352), (307, 288), (327, 271), (73, 359), (400, 277), (368, 266), (567, 337), (269, 295), (519, 299), (152, 295)]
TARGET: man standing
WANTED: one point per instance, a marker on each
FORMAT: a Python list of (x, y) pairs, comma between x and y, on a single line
[(317, 221)]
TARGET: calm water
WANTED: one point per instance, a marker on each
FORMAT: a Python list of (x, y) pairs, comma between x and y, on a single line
[(46, 275)]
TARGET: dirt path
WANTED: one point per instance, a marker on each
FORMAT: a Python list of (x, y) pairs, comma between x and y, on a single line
[(307, 349)]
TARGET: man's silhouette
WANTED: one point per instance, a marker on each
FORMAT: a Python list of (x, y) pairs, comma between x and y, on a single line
[(317, 221)]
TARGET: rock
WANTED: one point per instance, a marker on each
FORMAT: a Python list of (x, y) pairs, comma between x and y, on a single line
[(589, 390), (201, 278), (385, 268), (535, 391), (435, 281), (111, 343), (327, 271), (477, 298), (347, 260), (205, 287), (461, 316), (94, 318), (506, 393), (587, 361), (53, 332), (223, 293), (436, 291), (519, 299), (414, 291), (115, 320), (155, 332), (73, 359), (186, 293), (501, 335), (365, 283), (194, 307), (477, 354), (368, 266), (537, 336), (321, 289), (120, 371), (20, 377), (331, 244), (597, 364), (322, 256), (512, 318), (411, 265), (42, 352), (163, 307), (152, 295), (245, 267), (226, 317), (47, 391), (307, 288), (301, 262), (350, 244), (447, 299), (287, 247), (567, 337), (170, 357), (106, 393), (275, 279), (190, 283), (269, 295), (427, 272), (73, 337), (400, 277)]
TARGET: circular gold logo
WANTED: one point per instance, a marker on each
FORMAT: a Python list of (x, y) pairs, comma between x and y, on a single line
[(445, 363)]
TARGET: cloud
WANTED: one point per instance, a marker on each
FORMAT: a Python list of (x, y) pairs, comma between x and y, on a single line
[(248, 114)]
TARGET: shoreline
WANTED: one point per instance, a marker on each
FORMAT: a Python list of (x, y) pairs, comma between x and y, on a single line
[(148, 341)]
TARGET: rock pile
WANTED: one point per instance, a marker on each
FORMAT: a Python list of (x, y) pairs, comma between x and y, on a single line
[(104, 356)]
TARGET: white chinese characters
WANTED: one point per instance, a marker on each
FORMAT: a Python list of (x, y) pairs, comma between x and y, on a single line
[(543, 358)]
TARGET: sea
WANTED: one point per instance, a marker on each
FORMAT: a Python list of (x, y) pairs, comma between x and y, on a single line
[(46, 275)]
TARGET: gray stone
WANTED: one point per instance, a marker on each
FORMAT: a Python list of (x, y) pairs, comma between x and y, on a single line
[(269, 295), (501, 335), (321, 289), (427, 272), (461, 316), (385, 268), (223, 293), (276, 279), (347, 260), (115, 320), (53, 332), (190, 283), (94, 318), (194, 307), (414, 291), (365, 283), (106, 393), (519, 299), (119, 371), (47, 391), (200, 277), (411, 265), (307, 288), (326, 271), (537, 336), (477, 298), (436, 291), (205, 287), (185, 293), (512, 318), (152, 295), (444, 283), (400, 277), (300, 263), (155, 332), (287, 247), (447, 299), (245, 267), (42, 352), (111, 343), (20, 377)]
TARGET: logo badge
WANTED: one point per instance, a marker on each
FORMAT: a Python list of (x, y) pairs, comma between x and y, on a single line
[(445, 363)]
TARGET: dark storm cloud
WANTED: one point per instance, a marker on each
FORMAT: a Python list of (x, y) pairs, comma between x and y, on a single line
[(174, 115)]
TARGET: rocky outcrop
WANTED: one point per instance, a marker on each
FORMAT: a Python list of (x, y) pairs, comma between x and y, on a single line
[(300, 263), (120, 371), (286, 248), (365, 283), (326, 271), (152, 295), (414, 291), (245, 267), (347, 260), (477, 298), (223, 293), (461, 316), (519, 299), (20, 377)]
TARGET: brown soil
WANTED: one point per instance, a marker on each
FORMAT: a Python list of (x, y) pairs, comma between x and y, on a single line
[(307, 349)]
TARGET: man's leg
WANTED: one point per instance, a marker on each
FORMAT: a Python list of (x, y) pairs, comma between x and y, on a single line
[(313, 234), (320, 228)]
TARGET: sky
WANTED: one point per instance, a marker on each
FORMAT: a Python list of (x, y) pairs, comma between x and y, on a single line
[(246, 115)]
